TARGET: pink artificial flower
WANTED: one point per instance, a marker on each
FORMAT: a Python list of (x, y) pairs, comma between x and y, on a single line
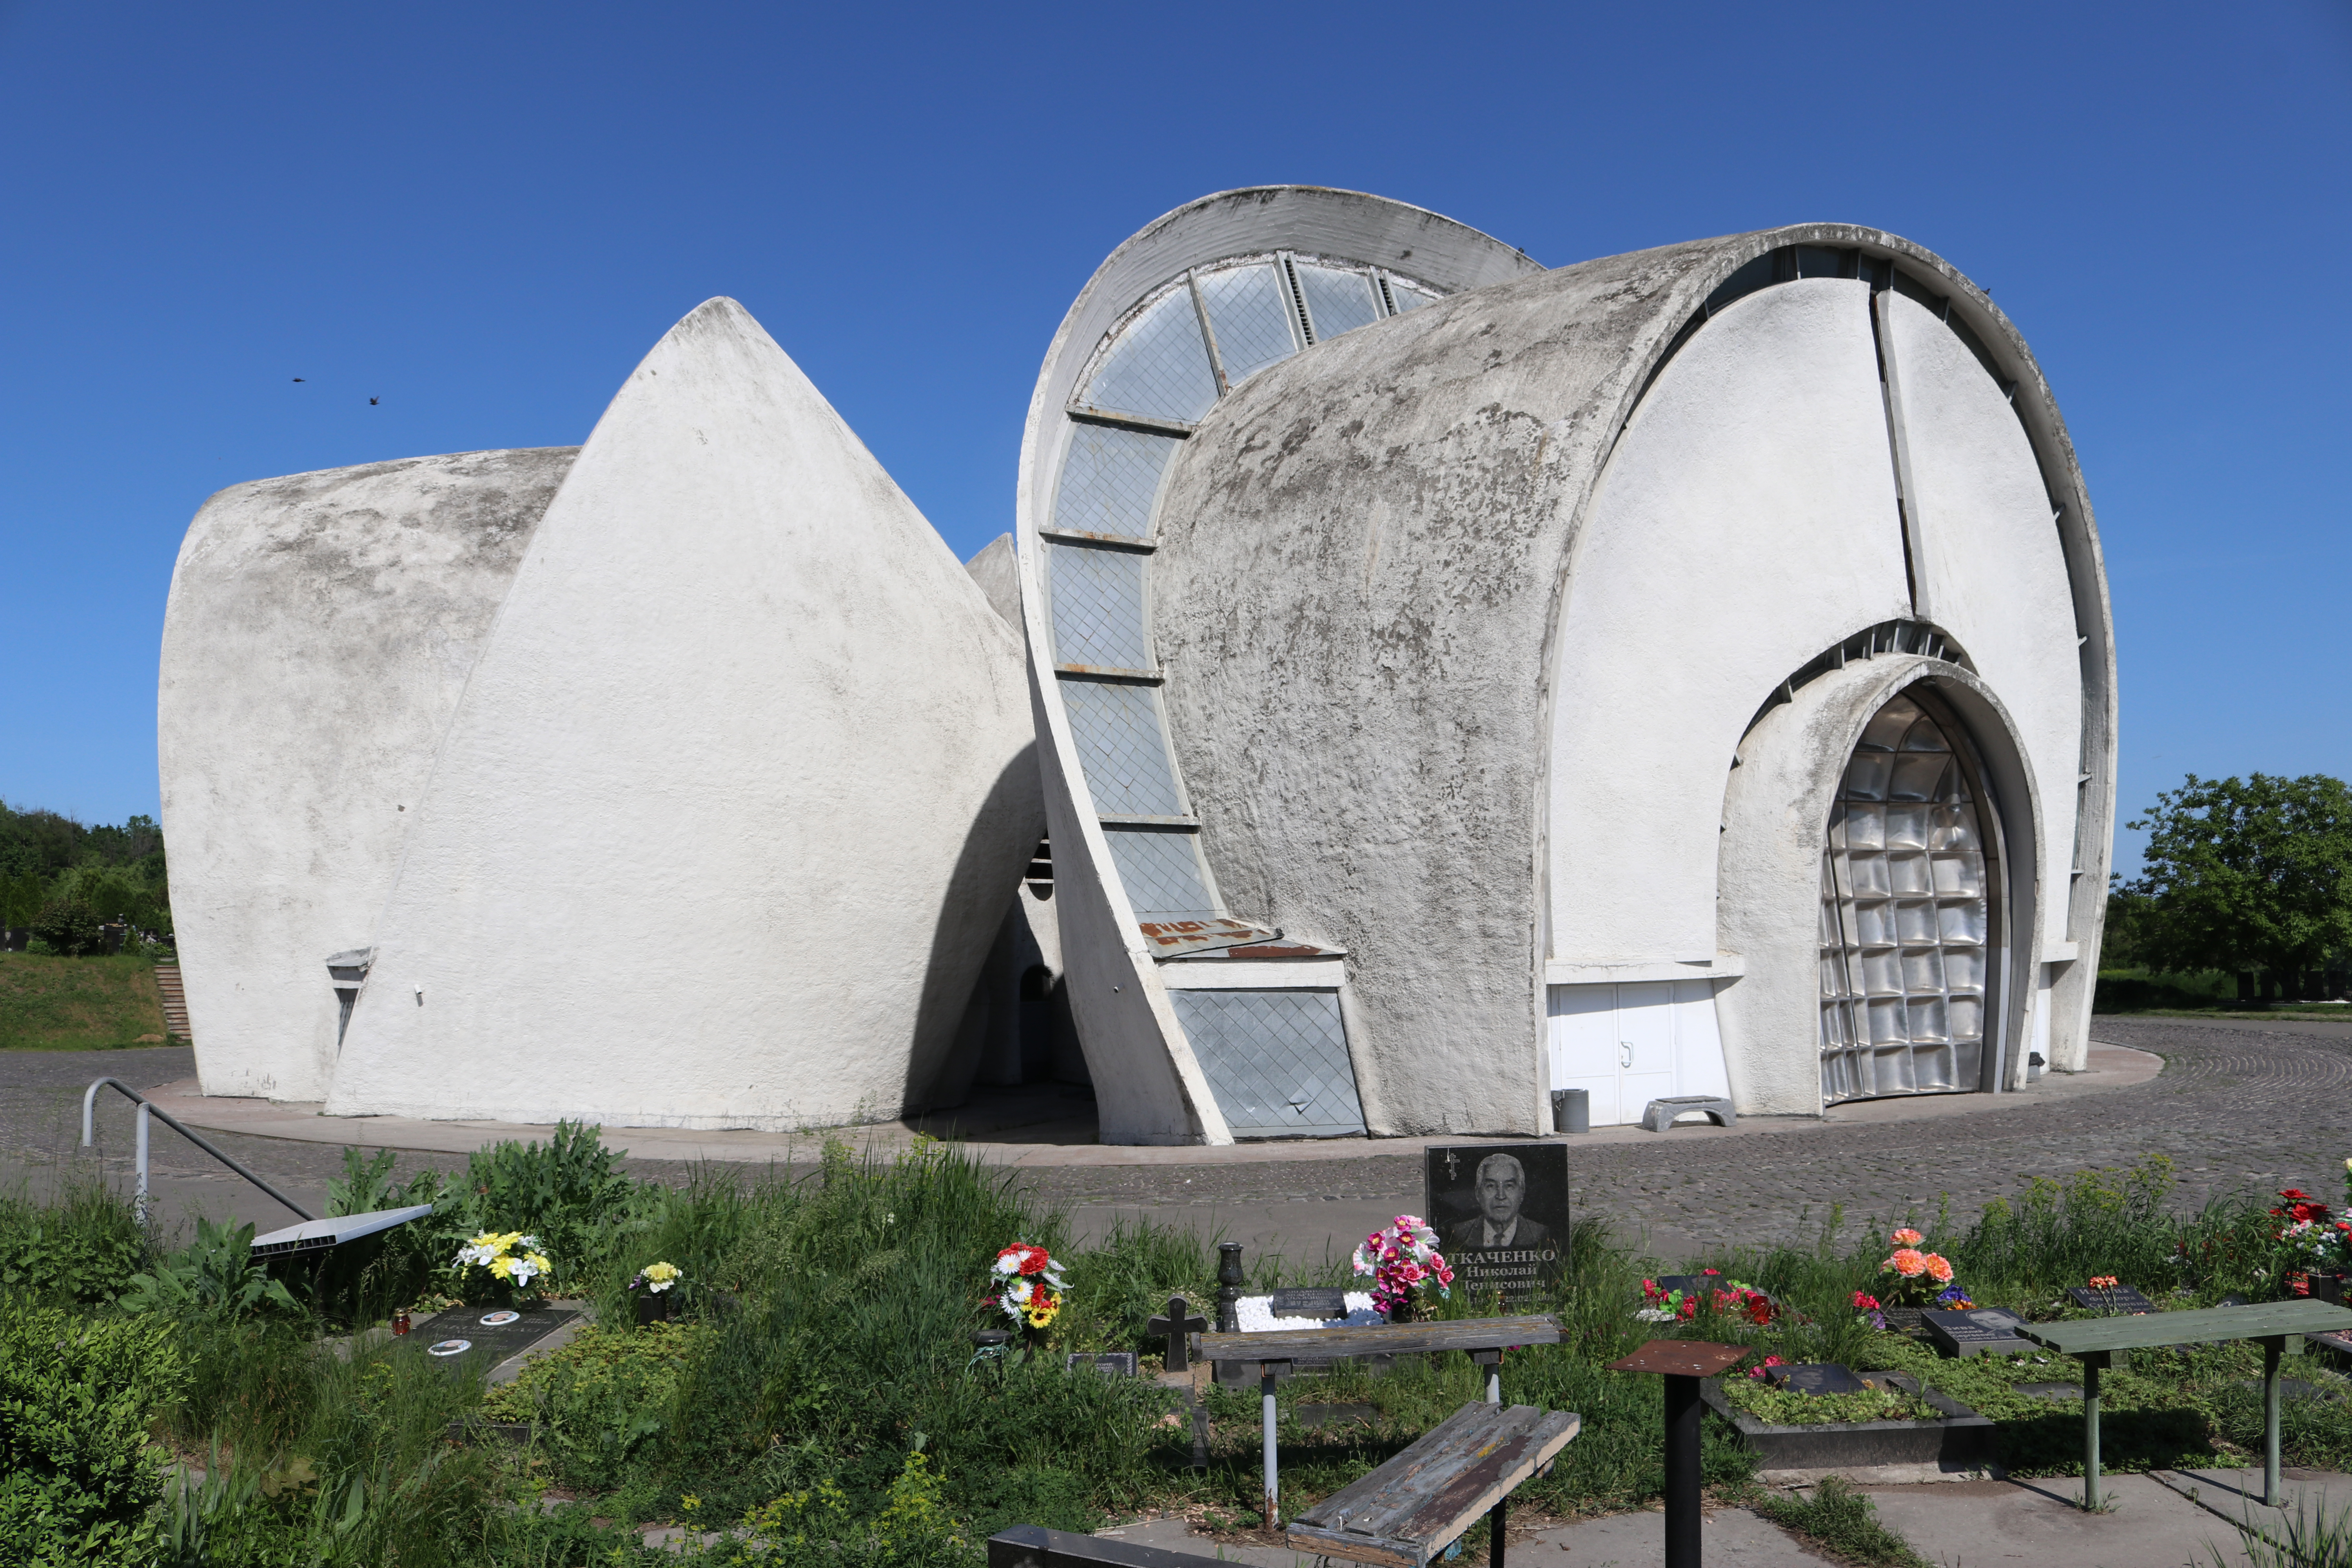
[(1906, 1237), (1907, 1262), (1939, 1268)]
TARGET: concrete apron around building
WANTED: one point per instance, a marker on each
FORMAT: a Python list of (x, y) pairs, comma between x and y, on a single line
[(1051, 1136)]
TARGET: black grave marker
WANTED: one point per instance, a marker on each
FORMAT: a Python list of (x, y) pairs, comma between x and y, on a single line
[(1178, 1324), (1814, 1377), (2120, 1300), (1504, 1231), (485, 1345), (1313, 1302), (1977, 1330)]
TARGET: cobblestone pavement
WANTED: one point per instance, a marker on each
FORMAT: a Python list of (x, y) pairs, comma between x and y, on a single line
[(2238, 1110)]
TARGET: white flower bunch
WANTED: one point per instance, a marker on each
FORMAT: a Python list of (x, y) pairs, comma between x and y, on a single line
[(509, 1256)]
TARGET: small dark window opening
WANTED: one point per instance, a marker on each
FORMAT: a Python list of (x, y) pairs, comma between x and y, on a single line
[(1039, 875)]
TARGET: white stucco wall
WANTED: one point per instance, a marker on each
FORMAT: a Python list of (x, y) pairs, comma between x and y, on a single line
[(1746, 522), (320, 630), (1994, 571), (727, 820)]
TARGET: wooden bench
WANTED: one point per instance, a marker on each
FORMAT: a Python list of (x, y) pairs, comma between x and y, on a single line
[(1412, 1508), (2094, 1342), (1483, 1338)]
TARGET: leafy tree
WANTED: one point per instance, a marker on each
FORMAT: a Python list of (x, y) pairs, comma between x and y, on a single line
[(2239, 874)]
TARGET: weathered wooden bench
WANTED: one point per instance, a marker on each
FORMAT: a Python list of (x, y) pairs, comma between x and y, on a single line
[(2094, 1342), (1410, 1509), (1484, 1339)]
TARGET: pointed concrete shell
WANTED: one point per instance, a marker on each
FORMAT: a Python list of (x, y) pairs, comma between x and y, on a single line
[(727, 818), (316, 638)]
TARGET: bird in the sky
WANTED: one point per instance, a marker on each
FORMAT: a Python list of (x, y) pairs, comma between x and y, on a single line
[(298, 378), (373, 401)]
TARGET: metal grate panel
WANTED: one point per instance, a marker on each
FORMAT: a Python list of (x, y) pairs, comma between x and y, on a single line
[(1109, 479), (1252, 322), (1161, 873), (1119, 746), (1097, 598), (1159, 366), (1337, 302), (1904, 918), (1276, 1061)]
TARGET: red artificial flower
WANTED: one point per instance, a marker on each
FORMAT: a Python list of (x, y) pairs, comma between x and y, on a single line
[(1864, 1302)]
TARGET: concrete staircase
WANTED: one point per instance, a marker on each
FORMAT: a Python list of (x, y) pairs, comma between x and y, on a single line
[(175, 1001)]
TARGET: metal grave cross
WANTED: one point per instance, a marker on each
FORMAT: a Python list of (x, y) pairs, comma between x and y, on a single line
[(1179, 1322)]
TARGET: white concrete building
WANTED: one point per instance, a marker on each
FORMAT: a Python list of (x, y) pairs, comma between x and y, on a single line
[(1687, 672), (683, 780)]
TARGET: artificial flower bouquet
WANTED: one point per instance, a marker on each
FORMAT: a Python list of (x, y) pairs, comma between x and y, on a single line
[(1401, 1257), (2311, 1239), (502, 1264), (648, 1288), (1028, 1286), (1730, 1298), (1913, 1278)]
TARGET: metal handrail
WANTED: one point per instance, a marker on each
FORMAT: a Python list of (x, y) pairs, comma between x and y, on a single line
[(89, 1099)]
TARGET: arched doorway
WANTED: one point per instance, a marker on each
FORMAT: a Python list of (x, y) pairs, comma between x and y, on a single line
[(1908, 921)]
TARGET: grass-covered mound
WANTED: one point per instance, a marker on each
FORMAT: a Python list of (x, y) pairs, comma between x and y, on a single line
[(78, 1004), (818, 1397)]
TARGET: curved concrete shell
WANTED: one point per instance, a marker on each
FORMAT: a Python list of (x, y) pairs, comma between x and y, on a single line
[(1171, 325), (319, 632), (731, 812), (1510, 655)]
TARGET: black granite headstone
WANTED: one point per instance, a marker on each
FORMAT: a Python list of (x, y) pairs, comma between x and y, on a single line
[(1977, 1330), (1316, 1302), (1109, 1363), (480, 1337), (2120, 1300), (1818, 1377), (1501, 1214)]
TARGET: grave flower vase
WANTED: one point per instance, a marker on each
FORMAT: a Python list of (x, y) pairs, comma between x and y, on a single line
[(653, 1308)]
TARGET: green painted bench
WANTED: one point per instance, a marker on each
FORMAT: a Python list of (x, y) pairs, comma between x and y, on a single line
[(2095, 1341)]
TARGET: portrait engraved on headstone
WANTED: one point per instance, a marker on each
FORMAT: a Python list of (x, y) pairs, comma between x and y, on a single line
[(1501, 1216)]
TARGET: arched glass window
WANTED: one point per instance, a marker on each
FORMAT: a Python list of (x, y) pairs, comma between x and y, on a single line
[(1906, 917)]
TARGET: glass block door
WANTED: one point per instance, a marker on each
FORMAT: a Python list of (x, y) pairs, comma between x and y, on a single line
[(1905, 917)]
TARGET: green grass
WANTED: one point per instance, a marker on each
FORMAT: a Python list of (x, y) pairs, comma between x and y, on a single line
[(823, 1385), (78, 1004), (1843, 1522)]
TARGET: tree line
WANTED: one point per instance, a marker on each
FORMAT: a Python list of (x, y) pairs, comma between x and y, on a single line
[(65, 882), (2250, 877)]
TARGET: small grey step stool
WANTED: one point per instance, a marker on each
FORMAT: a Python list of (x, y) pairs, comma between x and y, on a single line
[(1661, 1112)]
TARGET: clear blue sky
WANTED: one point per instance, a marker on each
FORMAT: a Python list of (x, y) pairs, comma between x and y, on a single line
[(485, 214)]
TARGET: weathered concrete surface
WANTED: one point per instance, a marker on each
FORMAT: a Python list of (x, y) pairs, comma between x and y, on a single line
[(1152, 1087), (999, 576), (727, 820), (320, 630), (1370, 601)]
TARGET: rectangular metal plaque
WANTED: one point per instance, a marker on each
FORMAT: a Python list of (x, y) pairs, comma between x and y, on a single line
[(1320, 1303), (1681, 1358), (1110, 1364), (1501, 1214)]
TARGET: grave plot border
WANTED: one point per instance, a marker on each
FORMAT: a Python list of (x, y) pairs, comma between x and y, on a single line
[(1962, 1438)]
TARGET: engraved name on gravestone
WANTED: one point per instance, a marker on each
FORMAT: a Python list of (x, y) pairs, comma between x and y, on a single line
[(1976, 1331), (1310, 1301), (1109, 1363), (2118, 1298), (1821, 1377), (1501, 1216)]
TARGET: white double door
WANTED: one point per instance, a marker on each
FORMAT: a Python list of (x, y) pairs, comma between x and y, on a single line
[(1628, 1045)]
